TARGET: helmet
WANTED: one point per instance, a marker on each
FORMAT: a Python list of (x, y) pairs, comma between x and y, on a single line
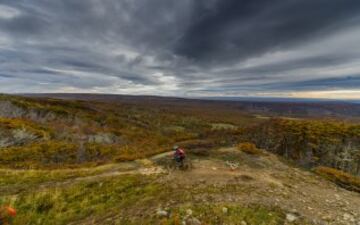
[(175, 147)]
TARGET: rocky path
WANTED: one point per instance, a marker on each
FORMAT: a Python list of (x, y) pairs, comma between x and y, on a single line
[(266, 180)]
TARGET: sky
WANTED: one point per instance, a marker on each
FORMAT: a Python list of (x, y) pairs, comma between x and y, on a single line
[(190, 48)]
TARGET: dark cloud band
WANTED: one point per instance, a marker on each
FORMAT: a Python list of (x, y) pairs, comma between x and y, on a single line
[(179, 47)]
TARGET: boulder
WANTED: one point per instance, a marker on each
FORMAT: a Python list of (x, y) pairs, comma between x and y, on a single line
[(162, 213), (193, 221), (291, 217)]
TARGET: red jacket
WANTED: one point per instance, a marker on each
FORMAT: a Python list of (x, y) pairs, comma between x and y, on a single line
[(179, 153)]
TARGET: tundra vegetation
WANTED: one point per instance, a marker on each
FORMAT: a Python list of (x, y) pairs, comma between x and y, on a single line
[(45, 143)]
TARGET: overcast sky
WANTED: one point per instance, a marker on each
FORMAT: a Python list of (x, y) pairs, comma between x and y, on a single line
[(283, 48)]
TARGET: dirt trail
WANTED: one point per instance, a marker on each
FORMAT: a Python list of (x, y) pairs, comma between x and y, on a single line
[(142, 167), (262, 180), (268, 181)]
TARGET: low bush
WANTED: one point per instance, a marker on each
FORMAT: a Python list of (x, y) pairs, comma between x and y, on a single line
[(341, 178), (198, 147), (55, 154), (249, 148), (196, 144), (200, 151), (11, 124)]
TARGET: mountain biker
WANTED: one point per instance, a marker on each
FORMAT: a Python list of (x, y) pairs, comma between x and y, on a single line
[(179, 155), (7, 215)]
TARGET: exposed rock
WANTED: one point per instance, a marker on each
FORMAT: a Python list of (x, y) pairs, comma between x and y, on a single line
[(16, 137), (22, 135), (162, 213), (102, 138), (326, 218), (193, 221), (189, 212), (225, 210), (337, 197), (243, 223), (232, 165), (9, 110), (348, 217), (291, 217)]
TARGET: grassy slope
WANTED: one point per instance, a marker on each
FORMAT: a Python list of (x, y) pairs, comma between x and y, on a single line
[(131, 198), (262, 190), (122, 199)]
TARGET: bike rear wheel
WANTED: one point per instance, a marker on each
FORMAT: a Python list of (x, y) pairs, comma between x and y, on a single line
[(187, 165)]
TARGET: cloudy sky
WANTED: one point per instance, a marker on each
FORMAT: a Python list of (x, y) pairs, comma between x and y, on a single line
[(283, 48)]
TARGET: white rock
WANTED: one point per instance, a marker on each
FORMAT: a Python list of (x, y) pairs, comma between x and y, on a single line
[(347, 216), (193, 221), (291, 217), (243, 223), (189, 212), (337, 196), (161, 213), (225, 210)]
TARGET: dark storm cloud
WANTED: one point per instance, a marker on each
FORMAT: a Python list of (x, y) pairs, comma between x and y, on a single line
[(5, 76), (179, 47), (235, 29)]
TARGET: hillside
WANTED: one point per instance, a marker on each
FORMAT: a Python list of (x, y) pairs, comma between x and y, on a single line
[(258, 190), (101, 160), (304, 108)]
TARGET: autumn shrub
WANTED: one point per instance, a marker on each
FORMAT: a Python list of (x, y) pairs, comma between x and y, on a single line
[(53, 154), (309, 142), (126, 154), (137, 151), (197, 143), (38, 154), (339, 177), (249, 148), (35, 129), (197, 147)]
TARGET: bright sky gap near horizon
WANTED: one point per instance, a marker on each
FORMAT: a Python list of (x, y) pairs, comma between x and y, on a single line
[(261, 48)]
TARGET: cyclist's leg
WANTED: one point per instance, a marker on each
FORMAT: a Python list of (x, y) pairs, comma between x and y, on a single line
[(182, 162)]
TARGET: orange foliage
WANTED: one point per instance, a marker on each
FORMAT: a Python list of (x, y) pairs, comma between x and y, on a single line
[(343, 179), (249, 148)]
